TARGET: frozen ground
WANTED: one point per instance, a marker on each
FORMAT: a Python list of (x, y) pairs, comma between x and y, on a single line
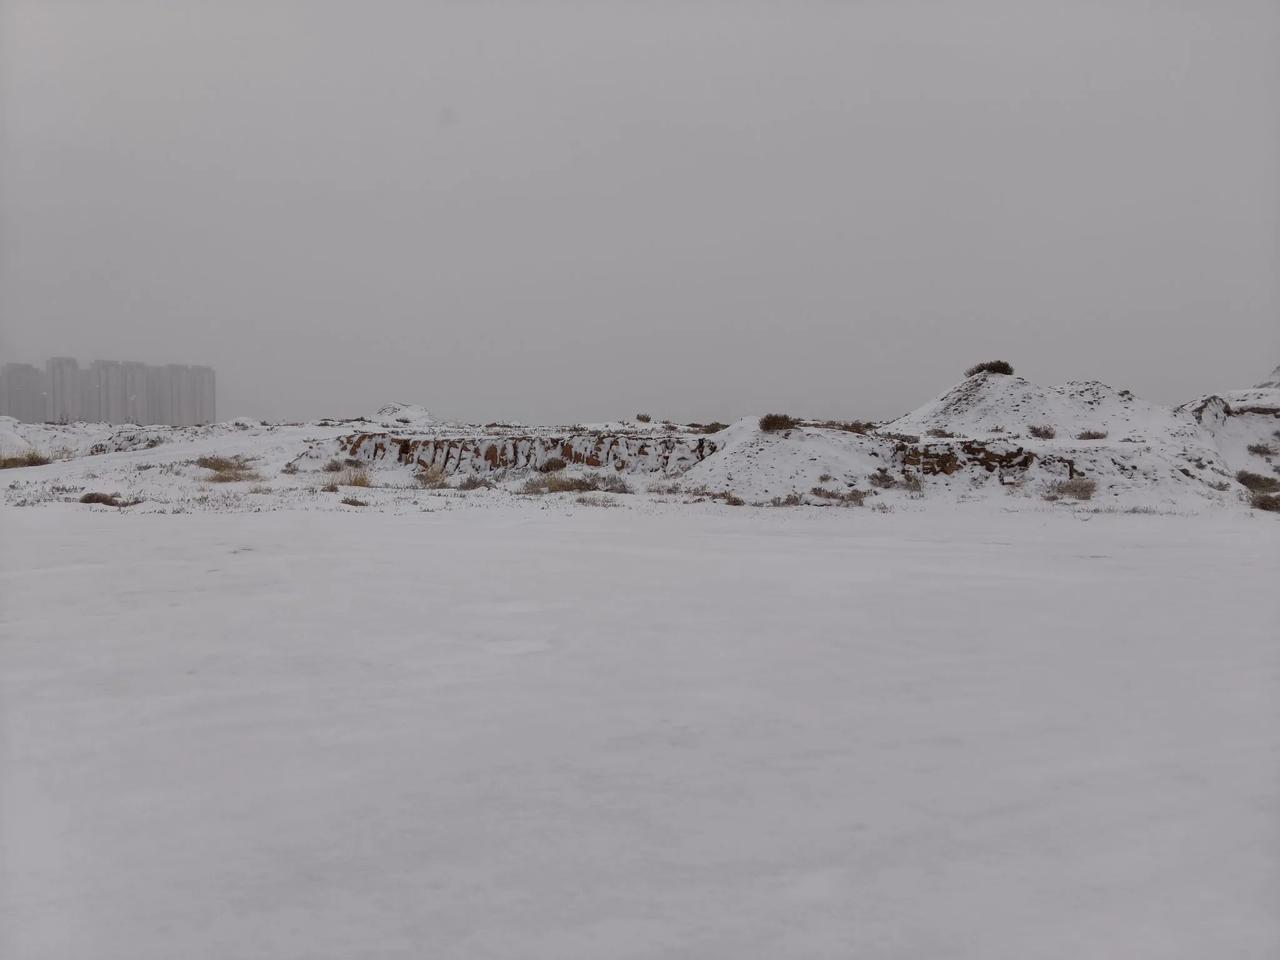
[(511, 733)]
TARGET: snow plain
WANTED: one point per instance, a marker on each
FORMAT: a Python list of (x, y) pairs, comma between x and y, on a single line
[(607, 734)]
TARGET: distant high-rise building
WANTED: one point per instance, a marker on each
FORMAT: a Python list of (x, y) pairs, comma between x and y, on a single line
[(159, 402), (110, 391), (206, 394), (182, 394), (22, 392), (90, 395), (62, 389), (135, 393)]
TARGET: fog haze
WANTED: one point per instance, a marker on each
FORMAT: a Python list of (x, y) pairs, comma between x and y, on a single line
[(570, 211)]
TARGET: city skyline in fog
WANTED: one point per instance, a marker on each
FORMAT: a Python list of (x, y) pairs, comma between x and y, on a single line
[(561, 212)]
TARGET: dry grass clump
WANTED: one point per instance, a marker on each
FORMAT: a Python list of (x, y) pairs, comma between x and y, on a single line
[(848, 426), (938, 432), (476, 482), (773, 422), (1257, 482), (353, 502), (665, 489), (1262, 450), (991, 366), (596, 500), (553, 465), (587, 483), (333, 466), (1092, 435), (430, 478), (847, 497), (732, 500), (355, 478), (882, 479), (1077, 488), (1265, 501), (329, 487), (1044, 432), (792, 499), (228, 469), (32, 458), (108, 500), (261, 488), (715, 426)]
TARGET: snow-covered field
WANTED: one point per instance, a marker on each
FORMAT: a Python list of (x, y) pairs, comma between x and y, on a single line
[(703, 733)]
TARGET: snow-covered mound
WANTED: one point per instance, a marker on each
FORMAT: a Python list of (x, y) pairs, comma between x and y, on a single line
[(1244, 425), (992, 437), (991, 404), (1272, 382)]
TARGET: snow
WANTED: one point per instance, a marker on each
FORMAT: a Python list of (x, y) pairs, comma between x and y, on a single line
[(696, 732)]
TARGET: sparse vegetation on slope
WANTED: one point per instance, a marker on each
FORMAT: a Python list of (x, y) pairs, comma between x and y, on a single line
[(1042, 432), (32, 458), (773, 422), (990, 366), (1257, 482)]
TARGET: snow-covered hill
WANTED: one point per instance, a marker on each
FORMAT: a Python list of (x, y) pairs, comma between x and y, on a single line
[(992, 437)]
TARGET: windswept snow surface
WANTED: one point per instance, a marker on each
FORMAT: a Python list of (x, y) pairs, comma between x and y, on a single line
[(720, 734)]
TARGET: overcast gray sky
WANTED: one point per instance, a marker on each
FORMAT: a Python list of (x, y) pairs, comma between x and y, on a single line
[(561, 211)]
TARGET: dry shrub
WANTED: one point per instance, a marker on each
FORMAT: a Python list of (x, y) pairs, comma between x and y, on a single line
[(261, 488), (732, 500), (1077, 488), (1042, 432), (943, 434), (333, 466), (790, 500), (235, 476), (643, 418), (355, 478), (665, 489), (330, 487), (1257, 482), (353, 502), (882, 479), (32, 458), (847, 497), (1262, 450), (108, 500), (596, 500), (715, 426), (430, 478), (587, 483), (991, 366), (1265, 501), (289, 468), (220, 464), (228, 469), (476, 482), (552, 465), (772, 422), (1092, 435)]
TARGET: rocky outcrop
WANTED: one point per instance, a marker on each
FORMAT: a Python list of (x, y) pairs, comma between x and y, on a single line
[(628, 454), (950, 457)]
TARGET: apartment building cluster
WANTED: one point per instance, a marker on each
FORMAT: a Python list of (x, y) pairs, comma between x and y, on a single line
[(108, 391)]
